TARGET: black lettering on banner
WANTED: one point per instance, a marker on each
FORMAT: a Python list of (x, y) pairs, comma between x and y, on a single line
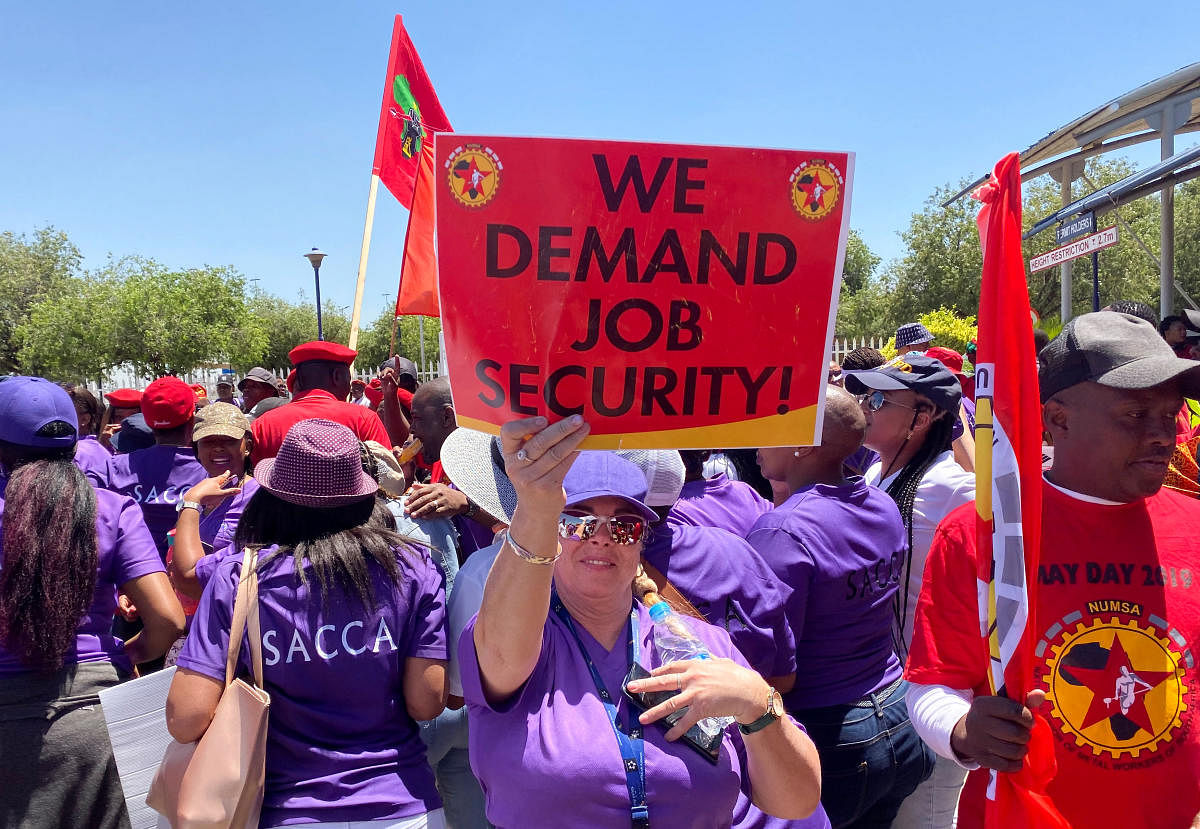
[(481, 369), (709, 247), (683, 183), (646, 196), (551, 391), (718, 374), (524, 251), (669, 243), (765, 240), (593, 249), (517, 387), (689, 390), (654, 392), (612, 324), (753, 386), (676, 325), (547, 251), (627, 390), (593, 328)]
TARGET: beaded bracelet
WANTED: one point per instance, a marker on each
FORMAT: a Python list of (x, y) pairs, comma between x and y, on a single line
[(523, 554)]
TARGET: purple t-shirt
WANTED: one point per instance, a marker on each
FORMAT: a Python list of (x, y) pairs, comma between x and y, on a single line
[(718, 502), (842, 550), (124, 552), (218, 527), (90, 455), (155, 477), (553, 738), (732, 586), (340, 743)]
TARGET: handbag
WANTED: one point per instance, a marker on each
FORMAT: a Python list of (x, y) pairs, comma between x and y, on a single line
[(217, 782)]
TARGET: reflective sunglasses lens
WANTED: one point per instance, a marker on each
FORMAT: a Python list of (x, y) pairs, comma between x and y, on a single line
[(875, 401), (626, 530), (576, 527)]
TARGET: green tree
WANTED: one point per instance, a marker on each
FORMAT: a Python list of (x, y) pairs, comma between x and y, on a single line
[(171, 322), (65, 337), (859, 265), (287, 324), (30, 270)]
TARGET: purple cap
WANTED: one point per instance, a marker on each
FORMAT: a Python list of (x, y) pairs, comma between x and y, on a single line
[(28, 404), (598, 474)]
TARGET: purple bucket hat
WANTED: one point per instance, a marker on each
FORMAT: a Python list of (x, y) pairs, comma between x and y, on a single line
[(318, 465)]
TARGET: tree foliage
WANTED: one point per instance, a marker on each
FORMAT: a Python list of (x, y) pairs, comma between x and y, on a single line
[(31, 270)]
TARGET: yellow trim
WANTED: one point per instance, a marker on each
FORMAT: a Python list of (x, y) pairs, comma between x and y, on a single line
[(796, 428)]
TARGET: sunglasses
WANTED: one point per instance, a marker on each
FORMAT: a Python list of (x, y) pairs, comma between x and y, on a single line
[(875, 401), (624, 529)]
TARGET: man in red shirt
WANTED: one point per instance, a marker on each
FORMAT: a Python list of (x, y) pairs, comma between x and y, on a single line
[(1117, 615), (321, 385)]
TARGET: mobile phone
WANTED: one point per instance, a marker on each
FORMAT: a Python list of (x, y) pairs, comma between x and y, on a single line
[(707, 747)]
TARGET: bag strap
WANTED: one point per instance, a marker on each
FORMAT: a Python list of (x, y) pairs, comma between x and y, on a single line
[(245, 610), (670, 593)]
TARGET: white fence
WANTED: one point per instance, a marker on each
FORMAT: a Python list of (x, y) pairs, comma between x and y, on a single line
[(843, 346), (124, 377)]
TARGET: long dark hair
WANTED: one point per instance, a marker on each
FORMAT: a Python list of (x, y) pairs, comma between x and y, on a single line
[(337, 542), (48, 574), (903, 491)]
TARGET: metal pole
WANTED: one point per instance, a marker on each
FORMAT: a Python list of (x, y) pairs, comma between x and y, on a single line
[(1095, 280), (421, 337), (1064, 270), (317, 279), (1166, 259)]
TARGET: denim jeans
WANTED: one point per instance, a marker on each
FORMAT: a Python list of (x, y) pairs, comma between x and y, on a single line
[(446, 747), (871, 758)]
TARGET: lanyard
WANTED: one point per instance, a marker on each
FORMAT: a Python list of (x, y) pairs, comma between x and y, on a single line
[(633, 750)]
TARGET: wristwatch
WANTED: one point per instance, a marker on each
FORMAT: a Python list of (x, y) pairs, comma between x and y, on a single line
[(775, 710), (196, 505)]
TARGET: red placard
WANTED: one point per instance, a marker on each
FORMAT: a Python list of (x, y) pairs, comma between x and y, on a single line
[(674, 295)]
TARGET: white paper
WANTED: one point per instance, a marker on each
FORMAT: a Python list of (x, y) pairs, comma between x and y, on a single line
[(135, 713)]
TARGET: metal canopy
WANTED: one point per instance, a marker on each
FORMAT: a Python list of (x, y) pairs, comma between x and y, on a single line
[(1132, 118), (1140, 183), (1160, 109)]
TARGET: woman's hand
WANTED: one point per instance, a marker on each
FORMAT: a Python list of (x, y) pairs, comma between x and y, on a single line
[(709, 688), (212, 491), (434, 501), (537, 456)]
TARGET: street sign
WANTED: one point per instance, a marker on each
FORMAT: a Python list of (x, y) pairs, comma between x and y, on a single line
[(1081, 225), (1097, 241)]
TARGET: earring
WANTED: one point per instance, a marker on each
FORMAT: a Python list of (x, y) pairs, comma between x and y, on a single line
[(797, 453)]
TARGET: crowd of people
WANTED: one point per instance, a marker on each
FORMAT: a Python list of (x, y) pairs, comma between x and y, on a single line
[(466, 630)]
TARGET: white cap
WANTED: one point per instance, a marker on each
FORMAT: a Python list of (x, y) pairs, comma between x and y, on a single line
[(664, 473)]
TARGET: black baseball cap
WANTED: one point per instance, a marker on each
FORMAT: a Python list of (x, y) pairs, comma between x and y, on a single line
[(916, 372), (1116, 350)]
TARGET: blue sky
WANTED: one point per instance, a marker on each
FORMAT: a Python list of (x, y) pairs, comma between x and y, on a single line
[(243, 133)]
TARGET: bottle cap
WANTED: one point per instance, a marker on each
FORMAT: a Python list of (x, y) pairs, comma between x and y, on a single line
[(659, 611)]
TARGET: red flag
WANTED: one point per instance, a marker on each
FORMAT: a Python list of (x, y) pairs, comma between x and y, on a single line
[(418, 270), (409, 116), (1009, 489)]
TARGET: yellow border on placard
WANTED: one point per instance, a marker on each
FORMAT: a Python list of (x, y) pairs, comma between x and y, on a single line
[(795, 428)]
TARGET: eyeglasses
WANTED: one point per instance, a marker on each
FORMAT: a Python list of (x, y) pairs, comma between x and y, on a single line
[(875, 401), (624, 529)]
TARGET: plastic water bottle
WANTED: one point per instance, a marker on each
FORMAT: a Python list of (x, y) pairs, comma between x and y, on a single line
[(675, 641)]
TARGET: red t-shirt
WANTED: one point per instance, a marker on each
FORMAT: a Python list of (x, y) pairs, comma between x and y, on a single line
[(1116, 631), (270, 429)]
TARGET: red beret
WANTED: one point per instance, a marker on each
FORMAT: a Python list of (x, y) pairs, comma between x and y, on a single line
[(199, 390), (374, 391), (321, 350), (948, 357), (124, 398), (291, 381), (405, 397), (168, 402)]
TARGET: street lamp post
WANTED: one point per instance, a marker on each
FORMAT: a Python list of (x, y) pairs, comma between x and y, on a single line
[(315, 256)]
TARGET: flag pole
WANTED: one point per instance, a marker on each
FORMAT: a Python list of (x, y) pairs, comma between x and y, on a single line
[(356, 314), (395, 324)]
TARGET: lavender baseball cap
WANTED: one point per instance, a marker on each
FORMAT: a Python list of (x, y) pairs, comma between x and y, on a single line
[(596, 474), (28, 405)]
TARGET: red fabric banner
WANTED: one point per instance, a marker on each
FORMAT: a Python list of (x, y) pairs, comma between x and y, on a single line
[(418, 292), (675, 296), (408, 117), (1009, 489)]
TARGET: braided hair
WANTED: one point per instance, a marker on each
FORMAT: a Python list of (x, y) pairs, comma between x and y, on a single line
[(903, 490)]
